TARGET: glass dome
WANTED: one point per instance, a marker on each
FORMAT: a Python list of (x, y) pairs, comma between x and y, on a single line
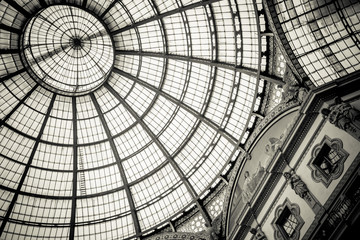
[(118, 116), (67, 49)]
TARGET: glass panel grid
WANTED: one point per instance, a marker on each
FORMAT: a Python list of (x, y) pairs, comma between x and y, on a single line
[(159, 116), (12, 90), (98, 180), (41, 210), (21, 231), (199, 33), (29, 119), (221, 95), (15, 146), (10, 63), (165, 6), (225, 32), (51, 183), (131, 141), (5, 198), (164, 208), (139, 10), (151, 37), (242, 106), (127, 63), (143, 162), (177, 131), (121, 84), (8, 40), (29, 5), (195, 148), (119, 228), (98, 6), (127, 40), (119, 120), (151, 70), (154, 186), (210, 164), (58, 131), (249, 43), (117, 17), (10, 16), (96, 155), (176, 78), (319, 37), (11, 172), (67, 49), (178, 51), (105, 207), (198, 85), (53, 157), (176, 34)]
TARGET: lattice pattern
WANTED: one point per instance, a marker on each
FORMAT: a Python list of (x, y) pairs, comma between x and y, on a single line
[(116, 116)]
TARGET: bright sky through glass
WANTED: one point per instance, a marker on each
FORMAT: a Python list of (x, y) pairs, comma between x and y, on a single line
[(121, 131), (68, 49)]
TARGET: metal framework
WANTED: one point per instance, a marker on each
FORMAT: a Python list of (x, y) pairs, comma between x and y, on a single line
[(119, 164), (140, 148), (163, 150), (163, 15), (10, 29), (19, 8), (11, 75), (75, 169), (24, 174), (196, 114), (215, 63), (333, 33)]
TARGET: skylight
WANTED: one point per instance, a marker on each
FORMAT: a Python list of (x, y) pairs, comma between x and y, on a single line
[(117, 116)]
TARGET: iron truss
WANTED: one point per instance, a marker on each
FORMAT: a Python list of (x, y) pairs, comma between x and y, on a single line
[(148, 144)]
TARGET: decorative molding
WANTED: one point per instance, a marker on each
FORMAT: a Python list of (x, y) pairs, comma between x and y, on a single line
[(316, 173), (217, 191), (272, 50), (354, 167), (232, 181), (279, 109), (279, 166), (297, 164), (289, 76), (351, 170), (179, 236), (308, 113), (295, 210), (300, 188), (188, 216), (185, 218)]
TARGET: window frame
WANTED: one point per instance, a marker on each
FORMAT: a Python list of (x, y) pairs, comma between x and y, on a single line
[(277, 223), (318, 154)]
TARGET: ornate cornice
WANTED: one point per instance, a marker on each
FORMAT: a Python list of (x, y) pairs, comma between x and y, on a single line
[(354, 167), (179, 236), (308, 113), (278, 110)]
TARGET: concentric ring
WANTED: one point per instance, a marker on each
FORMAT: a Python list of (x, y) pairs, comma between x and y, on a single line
[(142, 107), (67, 49)]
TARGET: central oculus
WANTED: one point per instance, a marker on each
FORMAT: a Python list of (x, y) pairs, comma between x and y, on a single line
[(67, 49)]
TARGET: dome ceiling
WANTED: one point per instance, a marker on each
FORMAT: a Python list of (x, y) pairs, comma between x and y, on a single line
[(67, 49), (117, 116)]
